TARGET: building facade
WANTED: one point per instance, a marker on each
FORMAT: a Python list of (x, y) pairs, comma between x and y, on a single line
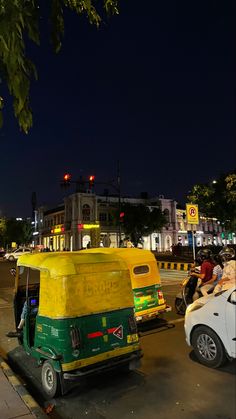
[(86, 219)]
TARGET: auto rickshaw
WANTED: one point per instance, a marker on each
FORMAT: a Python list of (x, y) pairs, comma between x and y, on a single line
[(80, 316), (149, 301)]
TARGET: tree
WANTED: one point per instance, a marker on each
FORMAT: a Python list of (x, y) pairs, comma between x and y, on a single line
[(2, 231), (19, 23), (16, 231), (217, 199), (141, 220)]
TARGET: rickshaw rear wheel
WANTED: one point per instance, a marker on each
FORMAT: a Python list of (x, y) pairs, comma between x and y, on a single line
[(50, 380)]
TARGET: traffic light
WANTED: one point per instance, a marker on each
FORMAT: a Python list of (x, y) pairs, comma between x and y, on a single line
[(91, 181), (66, 179), (122, 214)]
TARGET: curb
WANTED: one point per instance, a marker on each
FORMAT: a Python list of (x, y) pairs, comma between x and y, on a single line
[(178, 266), (32, 405)]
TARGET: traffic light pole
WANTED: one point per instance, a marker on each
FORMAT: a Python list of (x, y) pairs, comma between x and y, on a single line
[(80, 184)]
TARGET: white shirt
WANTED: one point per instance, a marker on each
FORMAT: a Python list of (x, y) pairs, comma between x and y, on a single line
[(229, 271)]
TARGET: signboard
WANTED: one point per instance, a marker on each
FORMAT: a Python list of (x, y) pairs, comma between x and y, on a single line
[(192, 214), (191, 238)]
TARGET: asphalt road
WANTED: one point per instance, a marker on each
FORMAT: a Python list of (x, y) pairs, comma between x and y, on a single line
[(169, 384)]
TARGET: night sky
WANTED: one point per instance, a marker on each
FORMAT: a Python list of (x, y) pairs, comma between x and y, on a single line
[(152, 88)]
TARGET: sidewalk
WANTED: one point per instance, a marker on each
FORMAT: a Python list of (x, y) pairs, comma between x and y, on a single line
[(15, 401)]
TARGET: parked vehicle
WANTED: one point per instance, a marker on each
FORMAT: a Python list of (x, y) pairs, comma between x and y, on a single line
[(15, 254), (149, 301), (2, 252), (210, 328), (85, 319)]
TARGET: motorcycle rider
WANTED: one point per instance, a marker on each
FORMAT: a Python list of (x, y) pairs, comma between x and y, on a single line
[(228, 279), (204, 258), (209, 286)]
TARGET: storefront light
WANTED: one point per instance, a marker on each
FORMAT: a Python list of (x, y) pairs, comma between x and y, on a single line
[(87, 226)]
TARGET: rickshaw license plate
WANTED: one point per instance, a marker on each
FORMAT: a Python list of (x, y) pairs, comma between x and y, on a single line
[(132, 338)]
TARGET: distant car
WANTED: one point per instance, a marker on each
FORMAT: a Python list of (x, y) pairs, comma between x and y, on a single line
[(12, 256), (2, 252), (210, 328)]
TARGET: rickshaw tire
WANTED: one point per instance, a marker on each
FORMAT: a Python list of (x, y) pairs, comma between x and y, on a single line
[(50, 379)]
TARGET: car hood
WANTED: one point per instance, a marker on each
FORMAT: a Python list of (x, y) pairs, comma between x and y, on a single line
[(207, 299)]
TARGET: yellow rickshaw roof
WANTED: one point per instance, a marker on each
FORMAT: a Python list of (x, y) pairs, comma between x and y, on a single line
[(64, 263), (130, 254)]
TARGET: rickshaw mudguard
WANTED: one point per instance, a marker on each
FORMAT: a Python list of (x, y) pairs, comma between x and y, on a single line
[(47, 354)]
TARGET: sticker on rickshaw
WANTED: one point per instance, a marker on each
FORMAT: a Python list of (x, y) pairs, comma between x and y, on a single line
[(118, 332)]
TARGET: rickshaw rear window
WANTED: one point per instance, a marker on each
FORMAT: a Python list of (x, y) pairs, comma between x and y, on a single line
[(139, 270)]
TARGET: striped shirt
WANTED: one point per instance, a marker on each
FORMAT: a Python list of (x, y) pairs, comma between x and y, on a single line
[(217, 270)]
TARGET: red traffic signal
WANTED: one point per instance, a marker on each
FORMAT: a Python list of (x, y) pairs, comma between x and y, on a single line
[(91, 181), (122, 214), (67, 177)]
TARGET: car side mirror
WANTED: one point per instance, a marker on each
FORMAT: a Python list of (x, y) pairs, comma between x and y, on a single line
[(232, 298)]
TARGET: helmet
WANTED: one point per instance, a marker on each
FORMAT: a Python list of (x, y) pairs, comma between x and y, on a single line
[(227, 253), (203, 254)]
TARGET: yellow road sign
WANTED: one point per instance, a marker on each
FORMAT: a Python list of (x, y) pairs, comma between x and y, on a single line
[(192, 213)]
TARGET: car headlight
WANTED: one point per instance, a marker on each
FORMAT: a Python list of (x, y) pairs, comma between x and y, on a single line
[(193, 307)]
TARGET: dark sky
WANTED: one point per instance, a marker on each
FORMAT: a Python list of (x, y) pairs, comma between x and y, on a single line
[(152, 88)]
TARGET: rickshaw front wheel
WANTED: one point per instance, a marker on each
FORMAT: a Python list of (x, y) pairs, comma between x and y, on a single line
[(50, 380)]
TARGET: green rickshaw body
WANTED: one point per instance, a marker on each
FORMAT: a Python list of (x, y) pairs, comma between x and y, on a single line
[(85, 319)]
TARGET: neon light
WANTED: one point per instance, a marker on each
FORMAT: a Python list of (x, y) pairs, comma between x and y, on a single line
[(87, 226), (58, 229)]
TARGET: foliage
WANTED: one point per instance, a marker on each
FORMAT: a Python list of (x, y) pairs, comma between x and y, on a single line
[(17, 231), (141, 220), (19, 23), (2, 231), (217, 199)]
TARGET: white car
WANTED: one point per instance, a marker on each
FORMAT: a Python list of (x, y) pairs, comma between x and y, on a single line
[(210, 327), (12, 256)]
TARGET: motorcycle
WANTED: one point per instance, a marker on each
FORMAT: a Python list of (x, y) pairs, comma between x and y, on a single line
[(183, 299)]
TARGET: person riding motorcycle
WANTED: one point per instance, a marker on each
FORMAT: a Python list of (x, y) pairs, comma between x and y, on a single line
[(204, 258), (209, 286), (227, 255)]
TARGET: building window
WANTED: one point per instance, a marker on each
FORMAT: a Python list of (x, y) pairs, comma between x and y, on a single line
[(86, 212), (167, 214), (102, 216)]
